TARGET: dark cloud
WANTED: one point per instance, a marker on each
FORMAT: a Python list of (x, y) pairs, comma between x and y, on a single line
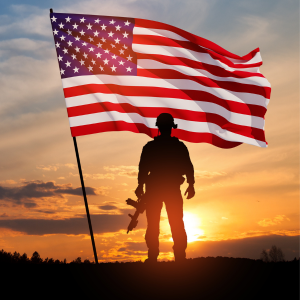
[(138, 246), (100, 223), (250, 247), (46, 211), (30, 190), (108, 207)]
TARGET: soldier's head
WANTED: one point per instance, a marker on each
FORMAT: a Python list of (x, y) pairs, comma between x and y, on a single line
[(165, 123)]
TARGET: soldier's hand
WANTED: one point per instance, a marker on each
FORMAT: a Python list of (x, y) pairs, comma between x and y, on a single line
[(139, 190), (190, 191)]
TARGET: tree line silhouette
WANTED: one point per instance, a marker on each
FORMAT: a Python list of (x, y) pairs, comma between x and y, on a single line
[(275, 254), (16, 257)]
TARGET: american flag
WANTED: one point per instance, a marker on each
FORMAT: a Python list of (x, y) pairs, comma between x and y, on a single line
[(119, 74)]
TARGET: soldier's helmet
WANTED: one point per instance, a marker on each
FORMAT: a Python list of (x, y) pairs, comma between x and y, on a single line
[(165, 119)]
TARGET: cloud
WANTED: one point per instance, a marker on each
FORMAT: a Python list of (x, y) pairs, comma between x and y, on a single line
[(108, 207), (72, 166), (8, 181), (250, 247), (47, 168), (208, 174), (55, 167), (128, 171), (101, 224), (103, 190), (275, 221), (100, 176), (30, 190)]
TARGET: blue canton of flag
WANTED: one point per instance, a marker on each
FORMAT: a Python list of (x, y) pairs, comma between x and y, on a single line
[(88, 45)]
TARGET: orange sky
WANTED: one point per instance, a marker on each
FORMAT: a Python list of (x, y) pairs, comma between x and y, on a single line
[(247, 198)]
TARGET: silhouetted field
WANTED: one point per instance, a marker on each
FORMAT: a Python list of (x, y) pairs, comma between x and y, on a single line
[(199, 278)]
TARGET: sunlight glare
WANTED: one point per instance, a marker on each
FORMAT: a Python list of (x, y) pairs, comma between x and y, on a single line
[(191, 224)]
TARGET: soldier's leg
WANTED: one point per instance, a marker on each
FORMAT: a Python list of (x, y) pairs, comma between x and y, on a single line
[(153, 210), (174, 207)]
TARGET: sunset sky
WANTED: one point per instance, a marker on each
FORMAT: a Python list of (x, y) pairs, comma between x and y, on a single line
[(247, 198)]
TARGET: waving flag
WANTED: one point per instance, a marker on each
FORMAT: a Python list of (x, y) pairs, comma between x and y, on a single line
[(119, 74)]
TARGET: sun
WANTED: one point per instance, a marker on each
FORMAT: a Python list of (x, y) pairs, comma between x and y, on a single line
[(192, 227)]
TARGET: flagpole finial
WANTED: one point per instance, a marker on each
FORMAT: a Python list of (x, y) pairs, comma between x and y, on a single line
[(51, 11)]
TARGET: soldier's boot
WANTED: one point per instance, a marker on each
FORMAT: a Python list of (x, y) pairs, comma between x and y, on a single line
[(180, 256), (152, 256)]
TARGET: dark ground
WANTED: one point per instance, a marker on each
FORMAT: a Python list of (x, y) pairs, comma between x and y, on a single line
[(200, 278)]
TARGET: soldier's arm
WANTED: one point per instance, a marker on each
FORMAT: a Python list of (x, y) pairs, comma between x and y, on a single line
[(143, 172), (189, 168), (189, 171), (143, 166)]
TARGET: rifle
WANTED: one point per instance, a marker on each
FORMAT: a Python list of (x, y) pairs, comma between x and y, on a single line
[(140, 207)]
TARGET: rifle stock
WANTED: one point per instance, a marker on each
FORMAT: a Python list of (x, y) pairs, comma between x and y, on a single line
[(139, 205)]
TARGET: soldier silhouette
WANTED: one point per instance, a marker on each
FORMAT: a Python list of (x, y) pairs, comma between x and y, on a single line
[(163, 162)]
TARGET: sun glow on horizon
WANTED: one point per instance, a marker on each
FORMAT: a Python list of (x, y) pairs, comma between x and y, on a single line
[(192, 227)]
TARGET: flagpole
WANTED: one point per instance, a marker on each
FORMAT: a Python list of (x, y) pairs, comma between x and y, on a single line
[(83, 192), (85, 199)]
